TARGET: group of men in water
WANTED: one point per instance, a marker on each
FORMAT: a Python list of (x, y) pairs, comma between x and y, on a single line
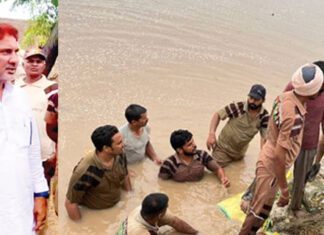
[(97, 180), (289, 135)]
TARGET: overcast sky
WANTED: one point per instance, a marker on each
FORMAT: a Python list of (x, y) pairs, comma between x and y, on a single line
[(18, 13)]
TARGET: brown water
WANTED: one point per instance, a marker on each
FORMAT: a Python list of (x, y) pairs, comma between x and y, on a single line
[(182, 60)]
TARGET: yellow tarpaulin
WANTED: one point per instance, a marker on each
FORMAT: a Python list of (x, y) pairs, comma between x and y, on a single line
[(231, 207)]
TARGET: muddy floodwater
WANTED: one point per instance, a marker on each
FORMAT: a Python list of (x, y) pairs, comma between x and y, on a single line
[(182, 60)]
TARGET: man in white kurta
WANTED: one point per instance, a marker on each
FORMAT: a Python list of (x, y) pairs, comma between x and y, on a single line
[(23, 186)]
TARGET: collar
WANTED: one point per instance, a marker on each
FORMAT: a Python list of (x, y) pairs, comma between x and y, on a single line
[(38, 83), (141, 220), (8, 87), (301, 108), (179, 161), (97, 160), (7, 90), (99, 163), (246, 109)]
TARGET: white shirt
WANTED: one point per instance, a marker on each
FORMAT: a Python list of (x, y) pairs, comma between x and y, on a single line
[(134, 146), (21, 171), (39, 100), (136, 225)]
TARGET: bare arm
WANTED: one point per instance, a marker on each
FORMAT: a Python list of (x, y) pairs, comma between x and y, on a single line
[(211, 139), (221, 176), (40, 213), (262, 142), (180, 226), (320, 150), (72, 210), (151, 153), (127, 183)]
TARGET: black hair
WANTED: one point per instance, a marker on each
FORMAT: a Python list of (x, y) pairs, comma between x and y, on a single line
[(133, 112), (102, 136), (320, 63), (179, 138), (154, 204)]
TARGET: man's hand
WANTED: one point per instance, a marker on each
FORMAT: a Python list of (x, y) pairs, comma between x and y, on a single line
[(282, 202), (40, 213), (157, 161), (211, 141), (149, 151), (225, 182), (311, 174), (245, 205), (72, 210)]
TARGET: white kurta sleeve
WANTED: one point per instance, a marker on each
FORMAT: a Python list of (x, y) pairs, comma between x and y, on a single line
[(37, 171)]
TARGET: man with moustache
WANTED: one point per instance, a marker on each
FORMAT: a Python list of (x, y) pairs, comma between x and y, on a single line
[(24, 192), (283, 144), (245, 120), (39, 89), (310, 148), (136, 135), (97, 179), (188, 163)]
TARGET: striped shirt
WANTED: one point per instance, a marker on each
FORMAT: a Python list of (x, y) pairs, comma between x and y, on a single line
[(240, 128), (174, 168), (93, 185)]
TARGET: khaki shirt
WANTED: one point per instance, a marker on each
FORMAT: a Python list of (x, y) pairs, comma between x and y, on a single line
[(240, 128), (285, 128), (95, 186)]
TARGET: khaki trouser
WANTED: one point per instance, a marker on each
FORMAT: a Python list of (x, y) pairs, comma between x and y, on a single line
[(264, 195)]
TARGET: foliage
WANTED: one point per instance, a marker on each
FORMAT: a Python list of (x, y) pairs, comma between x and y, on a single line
[(44, 17), (38, 32)]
